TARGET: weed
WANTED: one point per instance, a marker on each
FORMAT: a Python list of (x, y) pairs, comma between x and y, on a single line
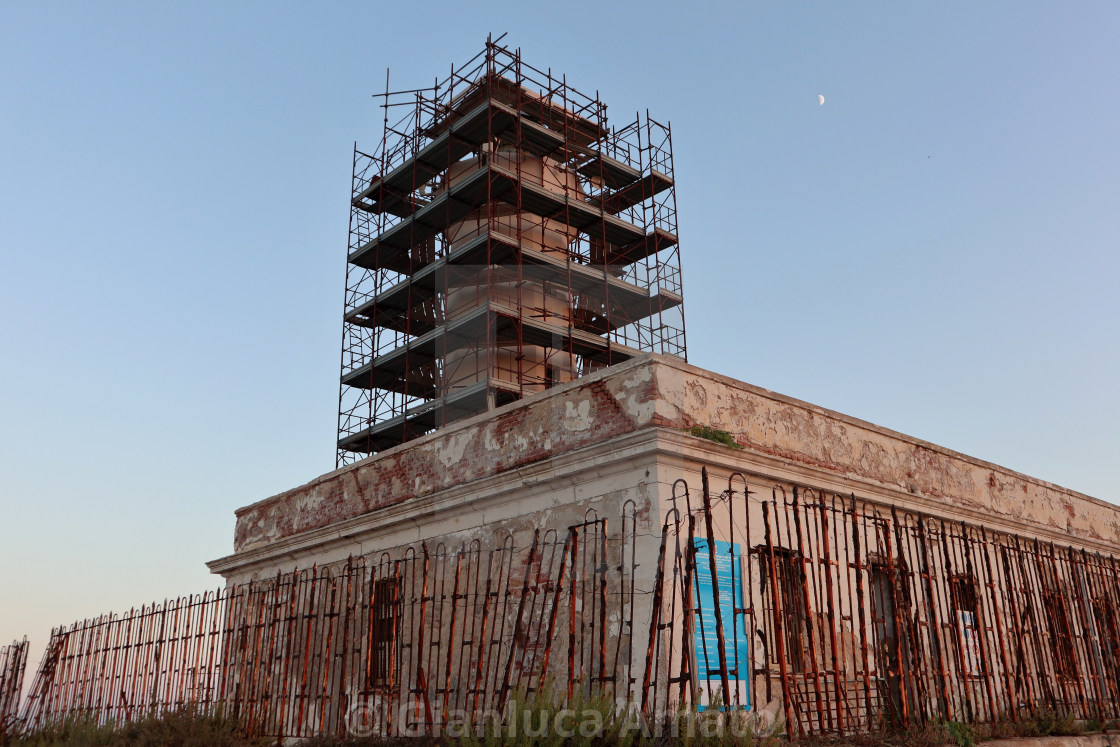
[(713, 434), (190, 726), (1057, 724), (960, 733)]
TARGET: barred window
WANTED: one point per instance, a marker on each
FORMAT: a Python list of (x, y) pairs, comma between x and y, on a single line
[(790, 577), (1057, 622), (384, 618), (966, 611)]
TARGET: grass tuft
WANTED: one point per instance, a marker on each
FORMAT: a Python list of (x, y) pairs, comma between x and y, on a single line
[(714, 434), (190, 726)]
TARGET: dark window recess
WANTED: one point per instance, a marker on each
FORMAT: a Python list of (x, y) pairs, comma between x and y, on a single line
[(384, 625), (1057, 621), (1108, 633), (966, 611), (790, 576)]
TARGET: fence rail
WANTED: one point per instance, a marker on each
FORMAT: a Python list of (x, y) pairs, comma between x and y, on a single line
[(859, 615), (839, 614), (13, 663)]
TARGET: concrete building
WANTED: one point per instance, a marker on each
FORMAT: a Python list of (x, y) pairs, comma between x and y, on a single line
[(877, 578), (618, 435)]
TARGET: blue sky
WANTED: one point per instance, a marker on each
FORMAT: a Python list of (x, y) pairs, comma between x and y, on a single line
[(933, 249)]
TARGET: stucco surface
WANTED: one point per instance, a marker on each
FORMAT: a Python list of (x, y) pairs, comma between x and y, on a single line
[(771, 424), (657, 391), (579, 414)]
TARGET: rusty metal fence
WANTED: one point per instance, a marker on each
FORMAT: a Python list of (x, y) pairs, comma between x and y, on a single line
[(858, 616), (822, 612), (13, 662), (388, 645)]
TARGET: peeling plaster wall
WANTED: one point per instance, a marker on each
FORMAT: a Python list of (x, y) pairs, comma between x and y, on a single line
[(577, 415), (545, 508), (660, 391), (830, 443)]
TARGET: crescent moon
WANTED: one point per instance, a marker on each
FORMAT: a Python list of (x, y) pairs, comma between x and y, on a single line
[(819, 96)]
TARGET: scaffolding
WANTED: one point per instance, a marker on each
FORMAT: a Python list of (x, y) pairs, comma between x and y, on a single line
[(503, 239)]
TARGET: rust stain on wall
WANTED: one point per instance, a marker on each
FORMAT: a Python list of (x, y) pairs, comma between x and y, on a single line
[(460, 454), (663, 392)]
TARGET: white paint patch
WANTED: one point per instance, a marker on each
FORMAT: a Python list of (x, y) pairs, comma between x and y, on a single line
[(268, 531), (307, 502), (641, 376), (577, 417), (633, 404), (451, 453), (490, 442), (642, 412)]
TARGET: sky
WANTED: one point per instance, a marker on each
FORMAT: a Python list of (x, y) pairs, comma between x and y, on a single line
[(933, 249)]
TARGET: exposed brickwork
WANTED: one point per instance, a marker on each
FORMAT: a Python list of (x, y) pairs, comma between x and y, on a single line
[(538, 429), (664, 392)]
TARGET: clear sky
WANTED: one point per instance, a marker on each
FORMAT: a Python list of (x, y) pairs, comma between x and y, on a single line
[(934, 249)]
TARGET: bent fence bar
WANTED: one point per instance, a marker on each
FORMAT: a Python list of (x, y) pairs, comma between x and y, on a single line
[(829, 613), (13, 662), (860, 616)]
